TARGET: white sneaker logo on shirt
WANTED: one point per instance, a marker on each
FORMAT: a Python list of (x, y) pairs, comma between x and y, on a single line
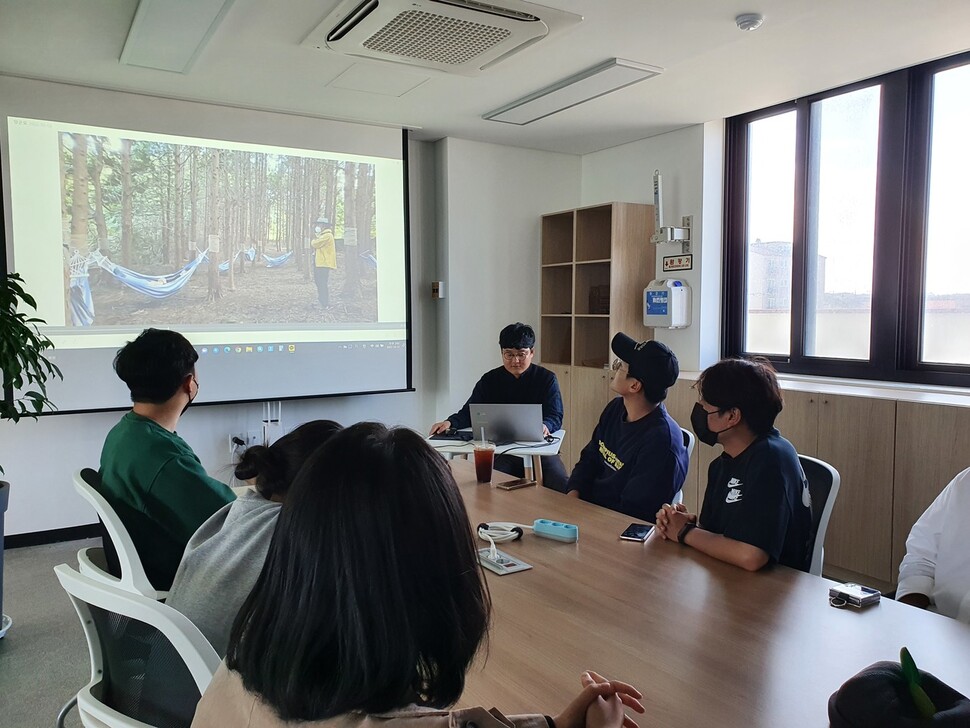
[(734, 494)]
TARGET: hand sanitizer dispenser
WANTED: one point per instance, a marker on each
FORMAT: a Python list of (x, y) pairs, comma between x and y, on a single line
[(666, 304)]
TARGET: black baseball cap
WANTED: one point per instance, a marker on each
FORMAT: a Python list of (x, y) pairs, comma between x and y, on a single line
[(650, 362)]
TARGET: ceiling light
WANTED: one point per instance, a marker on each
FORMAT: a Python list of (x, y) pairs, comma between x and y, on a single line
[(169, 35), (749, 21), (599, 80)]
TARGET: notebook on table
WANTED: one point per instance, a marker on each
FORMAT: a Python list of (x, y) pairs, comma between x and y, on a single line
[(507, 423)]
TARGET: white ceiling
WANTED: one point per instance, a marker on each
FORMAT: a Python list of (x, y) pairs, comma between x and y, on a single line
[(255, 59)]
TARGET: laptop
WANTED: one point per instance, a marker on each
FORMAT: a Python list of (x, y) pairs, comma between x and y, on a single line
[(506, 423)]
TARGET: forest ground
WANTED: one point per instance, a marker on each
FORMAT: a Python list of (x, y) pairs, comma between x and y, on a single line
[(261, 296)]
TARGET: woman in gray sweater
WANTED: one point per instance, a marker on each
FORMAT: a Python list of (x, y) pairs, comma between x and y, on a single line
[(223, 559)]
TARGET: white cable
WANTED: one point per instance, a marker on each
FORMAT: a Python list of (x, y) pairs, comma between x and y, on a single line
[(500, 532)]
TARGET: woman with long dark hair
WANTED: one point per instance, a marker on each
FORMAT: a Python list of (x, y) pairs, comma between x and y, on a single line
[(371, 605)]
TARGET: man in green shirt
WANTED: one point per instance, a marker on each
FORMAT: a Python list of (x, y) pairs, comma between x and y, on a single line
[(149, 474)]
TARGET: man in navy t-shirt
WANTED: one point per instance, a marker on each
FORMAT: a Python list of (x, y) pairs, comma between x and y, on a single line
[(757, 509), (517, 381), (636, 460)]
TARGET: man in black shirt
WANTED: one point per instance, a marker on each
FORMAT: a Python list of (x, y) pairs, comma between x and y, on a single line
[(757, 509), (517, 381), (636, 460)]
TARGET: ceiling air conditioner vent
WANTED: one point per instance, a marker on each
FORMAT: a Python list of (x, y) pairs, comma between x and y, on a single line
[(435, 38), (455, 36)]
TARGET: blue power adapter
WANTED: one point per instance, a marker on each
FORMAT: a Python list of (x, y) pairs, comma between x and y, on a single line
[(566, 532)]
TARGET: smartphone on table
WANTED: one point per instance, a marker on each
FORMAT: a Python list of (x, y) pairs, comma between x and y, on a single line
[(636, 532), (516, 484)]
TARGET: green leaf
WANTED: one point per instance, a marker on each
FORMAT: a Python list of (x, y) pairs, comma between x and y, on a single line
[(910, 671), (924, 706), (23, 365)]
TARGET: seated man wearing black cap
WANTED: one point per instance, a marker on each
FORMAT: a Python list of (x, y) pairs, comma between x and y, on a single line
[(517, 381), (636, 460)]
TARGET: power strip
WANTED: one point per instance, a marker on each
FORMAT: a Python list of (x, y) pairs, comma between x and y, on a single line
[(501, 563)]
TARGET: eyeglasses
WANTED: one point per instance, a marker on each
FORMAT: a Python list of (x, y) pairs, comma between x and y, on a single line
[(516, 355), (617, 363)]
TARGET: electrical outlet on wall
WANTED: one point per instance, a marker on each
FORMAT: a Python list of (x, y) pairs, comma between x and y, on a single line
[(239, 441)]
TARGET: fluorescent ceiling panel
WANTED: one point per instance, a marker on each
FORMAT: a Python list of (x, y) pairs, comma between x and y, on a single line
[(168, 35), (592, 83)]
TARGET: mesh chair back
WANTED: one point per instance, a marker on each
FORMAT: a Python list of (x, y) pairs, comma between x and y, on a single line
[(149, 663), (823, 485), (143, 675)]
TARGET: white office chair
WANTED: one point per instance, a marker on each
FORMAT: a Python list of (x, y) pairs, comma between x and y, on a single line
[(689, 441), (823, 484), (92, 560), (149, 663)]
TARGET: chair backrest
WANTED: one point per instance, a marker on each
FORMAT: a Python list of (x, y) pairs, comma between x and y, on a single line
[(133, 577), (149, 663), (823, 484), (689, 441)]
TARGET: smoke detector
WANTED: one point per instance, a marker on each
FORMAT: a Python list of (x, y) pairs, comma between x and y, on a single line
[(455, 36), (749, 21)]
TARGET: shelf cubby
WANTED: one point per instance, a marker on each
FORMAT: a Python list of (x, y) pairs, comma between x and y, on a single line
[(557, 238), (592, 288), (594, 233), (556, 341), (592, 343), (557, 286)]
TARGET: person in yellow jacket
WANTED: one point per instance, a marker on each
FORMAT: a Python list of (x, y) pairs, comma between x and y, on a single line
[(324, 260)]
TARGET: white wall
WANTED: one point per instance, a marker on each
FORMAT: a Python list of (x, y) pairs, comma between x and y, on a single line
[(490, 199), (40, 456), (691, 186)]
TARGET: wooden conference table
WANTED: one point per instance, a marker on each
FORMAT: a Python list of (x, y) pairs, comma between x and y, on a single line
[(708, 644)]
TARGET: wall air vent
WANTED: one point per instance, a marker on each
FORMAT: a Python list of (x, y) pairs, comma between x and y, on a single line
[(455, 36)]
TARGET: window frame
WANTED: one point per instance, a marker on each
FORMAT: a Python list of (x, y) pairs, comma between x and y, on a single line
[(902, 188)]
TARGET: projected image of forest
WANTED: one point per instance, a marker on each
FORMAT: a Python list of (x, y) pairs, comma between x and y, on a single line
[(165, 234)]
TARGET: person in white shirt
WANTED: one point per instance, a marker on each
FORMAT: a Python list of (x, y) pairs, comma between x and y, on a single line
[(935, 572)]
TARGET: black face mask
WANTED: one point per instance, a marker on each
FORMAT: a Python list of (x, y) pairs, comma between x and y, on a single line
[(192, 398), (698, 420)]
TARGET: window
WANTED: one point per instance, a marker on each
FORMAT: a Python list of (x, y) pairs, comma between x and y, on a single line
[(847, 239), (946, 285)]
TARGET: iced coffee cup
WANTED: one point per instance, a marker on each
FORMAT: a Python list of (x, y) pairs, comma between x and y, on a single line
[(484, 459)]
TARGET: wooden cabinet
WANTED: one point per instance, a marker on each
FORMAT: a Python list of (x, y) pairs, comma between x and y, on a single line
[(596, 261), (798, 421), (585, 392), (856, 436), (932, 446)]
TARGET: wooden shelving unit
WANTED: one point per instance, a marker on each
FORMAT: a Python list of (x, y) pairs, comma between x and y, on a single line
[(596, 261)]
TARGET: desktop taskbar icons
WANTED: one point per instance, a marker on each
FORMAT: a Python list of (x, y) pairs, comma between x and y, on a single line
[(249, 349)]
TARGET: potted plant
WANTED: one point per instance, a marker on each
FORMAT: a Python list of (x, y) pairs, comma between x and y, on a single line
[(24, 371)]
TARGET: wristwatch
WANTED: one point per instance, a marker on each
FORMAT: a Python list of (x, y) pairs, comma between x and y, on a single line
[(688, 527)]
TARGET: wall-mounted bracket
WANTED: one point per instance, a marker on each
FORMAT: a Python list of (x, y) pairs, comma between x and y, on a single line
[(665, 234), (682, 235)]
